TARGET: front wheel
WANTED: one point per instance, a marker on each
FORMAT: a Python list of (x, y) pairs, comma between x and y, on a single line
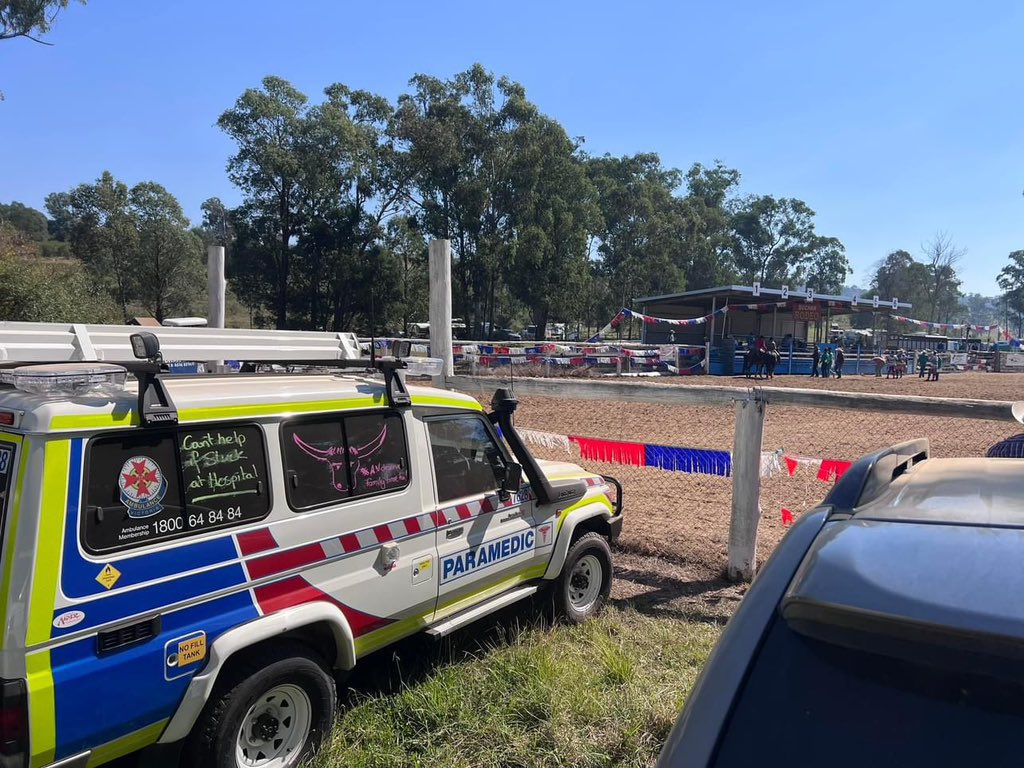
[(270, 712), (586, 579)]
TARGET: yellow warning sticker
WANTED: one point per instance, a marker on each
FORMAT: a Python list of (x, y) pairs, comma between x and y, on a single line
[(108, 576), (192, 650), (424, 565)]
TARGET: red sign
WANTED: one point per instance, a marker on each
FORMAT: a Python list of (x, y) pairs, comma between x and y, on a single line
[(807, 313)]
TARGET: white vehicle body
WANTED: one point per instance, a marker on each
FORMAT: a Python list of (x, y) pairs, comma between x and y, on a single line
[(139, 561)]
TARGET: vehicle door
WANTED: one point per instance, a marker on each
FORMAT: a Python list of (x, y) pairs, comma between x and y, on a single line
[(485, 538), (366, 500)]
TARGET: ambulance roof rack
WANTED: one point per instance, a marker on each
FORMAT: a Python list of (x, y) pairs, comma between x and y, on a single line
[(145, 353), (74, 342)]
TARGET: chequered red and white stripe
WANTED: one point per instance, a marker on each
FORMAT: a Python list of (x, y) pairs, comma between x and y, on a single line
[(274, 562)]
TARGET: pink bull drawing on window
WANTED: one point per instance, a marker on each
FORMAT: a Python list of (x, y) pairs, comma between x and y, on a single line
[(335, 457)]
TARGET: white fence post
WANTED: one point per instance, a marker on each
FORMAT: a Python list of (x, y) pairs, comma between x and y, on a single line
[(746, 488), (216, 287), (440, 257)]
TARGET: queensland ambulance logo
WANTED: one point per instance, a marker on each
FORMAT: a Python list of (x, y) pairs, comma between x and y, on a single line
[(143, 486)]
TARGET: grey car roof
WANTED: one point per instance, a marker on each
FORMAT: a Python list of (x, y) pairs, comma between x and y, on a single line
[(982, 492), (962, 578)]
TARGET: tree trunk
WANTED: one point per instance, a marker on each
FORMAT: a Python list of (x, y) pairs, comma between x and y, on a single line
[(490, 315), (540, 319), (282, 277)]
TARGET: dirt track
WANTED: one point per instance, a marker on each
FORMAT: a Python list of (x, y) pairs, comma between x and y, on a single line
[(685, 517)]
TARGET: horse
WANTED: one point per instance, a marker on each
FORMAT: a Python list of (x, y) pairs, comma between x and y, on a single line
[(760, 364)]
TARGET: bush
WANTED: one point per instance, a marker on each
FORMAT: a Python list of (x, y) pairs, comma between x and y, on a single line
[(36, 290)]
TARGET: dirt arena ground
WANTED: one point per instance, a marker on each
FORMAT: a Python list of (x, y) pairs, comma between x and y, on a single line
[(685, 518)]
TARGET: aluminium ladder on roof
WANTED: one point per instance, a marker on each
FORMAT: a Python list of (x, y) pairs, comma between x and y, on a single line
[(69, 342)]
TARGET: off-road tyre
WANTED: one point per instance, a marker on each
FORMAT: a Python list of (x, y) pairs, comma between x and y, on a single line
[(260, 688), (583, 586)]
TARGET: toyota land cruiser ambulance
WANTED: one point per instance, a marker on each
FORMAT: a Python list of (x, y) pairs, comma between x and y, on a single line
[(188, 561)]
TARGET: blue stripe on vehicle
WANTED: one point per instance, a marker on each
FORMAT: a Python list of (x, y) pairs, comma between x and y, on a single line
[(153, 597), (102, 698), (78, 575)]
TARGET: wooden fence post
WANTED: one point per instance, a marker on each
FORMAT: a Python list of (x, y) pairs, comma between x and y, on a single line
[(440, 266), (746, 487)]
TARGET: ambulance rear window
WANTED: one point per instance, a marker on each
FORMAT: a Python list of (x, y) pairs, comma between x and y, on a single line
[(331, 459), (154, 486)]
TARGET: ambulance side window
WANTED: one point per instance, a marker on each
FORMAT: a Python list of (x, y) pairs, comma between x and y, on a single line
[(144, 487), (332, 459), (467, 460)]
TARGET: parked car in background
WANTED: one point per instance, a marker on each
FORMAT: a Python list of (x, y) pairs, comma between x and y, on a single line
[(506, 334)]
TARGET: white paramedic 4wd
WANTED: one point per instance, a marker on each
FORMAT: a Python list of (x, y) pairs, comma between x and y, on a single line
[(188, 560)]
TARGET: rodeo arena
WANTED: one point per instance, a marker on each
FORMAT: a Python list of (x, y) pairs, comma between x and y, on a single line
[(726, 412)]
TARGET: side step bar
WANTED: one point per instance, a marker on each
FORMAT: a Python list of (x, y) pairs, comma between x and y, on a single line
[(462, 618)]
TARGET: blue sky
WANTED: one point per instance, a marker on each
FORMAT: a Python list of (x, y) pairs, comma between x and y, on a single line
[(891, 120)]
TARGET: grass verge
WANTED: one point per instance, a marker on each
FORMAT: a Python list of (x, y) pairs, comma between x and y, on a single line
[(602, 694)]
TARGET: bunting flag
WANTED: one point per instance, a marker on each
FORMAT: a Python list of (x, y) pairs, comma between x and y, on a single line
[(832, 469), (771, 464), (702, 461), (648, 320), (694, 460), (546, 439), (787, 517), (610, 451), (949, 326)]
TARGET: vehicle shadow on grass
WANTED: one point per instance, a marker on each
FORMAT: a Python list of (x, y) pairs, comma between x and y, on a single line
[(413, 659), (662, 588)]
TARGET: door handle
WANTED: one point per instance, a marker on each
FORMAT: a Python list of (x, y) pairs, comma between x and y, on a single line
[(453, 533)]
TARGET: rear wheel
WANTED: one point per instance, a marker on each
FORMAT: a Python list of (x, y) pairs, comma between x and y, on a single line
[(582, 588), (270, 711)]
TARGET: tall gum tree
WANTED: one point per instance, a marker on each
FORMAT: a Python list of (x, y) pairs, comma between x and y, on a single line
[(269, 126)]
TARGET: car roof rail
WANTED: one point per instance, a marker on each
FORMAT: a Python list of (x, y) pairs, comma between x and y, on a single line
[(397, 394), (156, 406), (872, 474)]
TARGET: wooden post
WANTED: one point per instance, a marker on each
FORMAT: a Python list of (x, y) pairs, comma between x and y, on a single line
[(440, 258), (216, 287), (746, 488)]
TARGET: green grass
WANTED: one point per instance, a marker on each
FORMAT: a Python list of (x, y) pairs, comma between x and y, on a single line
[(602, 694)]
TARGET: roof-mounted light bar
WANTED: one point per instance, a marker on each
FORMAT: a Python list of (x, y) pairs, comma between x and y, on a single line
[(70, 379)]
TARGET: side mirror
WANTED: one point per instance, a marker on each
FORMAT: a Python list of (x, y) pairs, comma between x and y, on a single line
[(513, 479), (400, 349)]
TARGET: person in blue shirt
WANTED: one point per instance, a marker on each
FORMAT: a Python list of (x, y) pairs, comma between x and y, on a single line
[(1010, 448)]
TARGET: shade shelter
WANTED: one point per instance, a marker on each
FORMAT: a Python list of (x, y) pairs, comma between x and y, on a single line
[(796, 319)]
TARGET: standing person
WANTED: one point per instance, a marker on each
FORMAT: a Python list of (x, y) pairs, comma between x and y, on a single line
[(879, 362), (922, 363), (815, 361), (826, 363), (840, 359)]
